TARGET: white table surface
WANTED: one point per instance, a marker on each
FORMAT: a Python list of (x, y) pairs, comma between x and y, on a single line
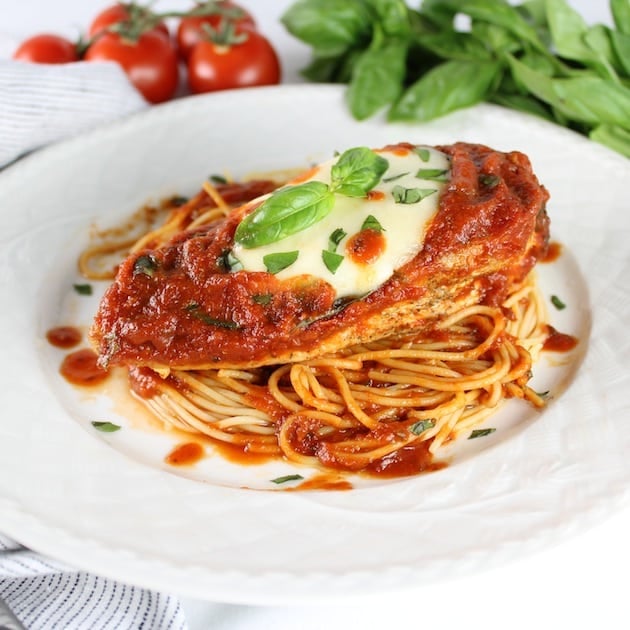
[(581, 583)]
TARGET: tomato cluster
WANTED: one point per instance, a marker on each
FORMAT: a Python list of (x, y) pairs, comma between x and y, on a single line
[(217, 43)]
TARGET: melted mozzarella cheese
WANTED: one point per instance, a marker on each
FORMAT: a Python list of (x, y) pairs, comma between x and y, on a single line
[(404, 224)]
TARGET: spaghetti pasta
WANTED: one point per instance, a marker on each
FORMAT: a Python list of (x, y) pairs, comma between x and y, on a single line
[(385, 406), (355, 410)]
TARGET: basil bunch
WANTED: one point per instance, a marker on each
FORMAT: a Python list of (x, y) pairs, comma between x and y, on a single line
[(538, 57), (294, 208)]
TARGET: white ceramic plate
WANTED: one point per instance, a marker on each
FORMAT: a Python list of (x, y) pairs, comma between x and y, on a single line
[(120, 512)]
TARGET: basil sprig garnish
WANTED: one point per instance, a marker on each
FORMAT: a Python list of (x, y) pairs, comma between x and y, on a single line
[(357, 171), (294, 208)]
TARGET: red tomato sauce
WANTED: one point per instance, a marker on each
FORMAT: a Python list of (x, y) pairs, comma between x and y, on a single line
[(366, 246), (64, 336), (81, 368)]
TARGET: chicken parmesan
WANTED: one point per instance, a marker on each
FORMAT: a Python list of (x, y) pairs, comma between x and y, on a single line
[(355, 317)]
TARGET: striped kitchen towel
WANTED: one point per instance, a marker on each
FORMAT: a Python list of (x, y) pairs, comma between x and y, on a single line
[(40, 103), (43, 594)]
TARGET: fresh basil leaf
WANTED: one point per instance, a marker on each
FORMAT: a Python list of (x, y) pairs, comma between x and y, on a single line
[(332, 260), (534, 12), (494, 39), (523, 103), (287, 211), (447, 87), (588, 99), (331, 27), (421, 426), (455, 45), (105, 427), (377, 78), (569, 36), (357, 171), (82, 289), (477, 433), (280, 260), (433, 174), (620, 10), (393, 17), (335, 238), (285, 478), (411, 195), (372, 223), (500, 13), (620, 43), (612, 136)]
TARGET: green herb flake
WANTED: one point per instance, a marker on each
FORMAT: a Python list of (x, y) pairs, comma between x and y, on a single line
[(332, 260), (558, 303), (393, 178), (195, 310), (83, 289), (229, 262), (280, 260), (423, 153), (433, 174), (285, 478), (421, 426), (477, 433), (145, 265), (489, 181), (218, 179), (372, 223), (411, 195), (105, 427), (335, 238), (264, 299)]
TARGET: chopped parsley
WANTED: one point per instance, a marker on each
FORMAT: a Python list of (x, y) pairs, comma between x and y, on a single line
[(83, 289), (105, 427), (477, 433)]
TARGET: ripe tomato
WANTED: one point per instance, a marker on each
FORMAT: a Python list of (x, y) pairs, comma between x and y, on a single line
[(190, 29), (150, 62), (47, 48), (118, 13), (220, 66)]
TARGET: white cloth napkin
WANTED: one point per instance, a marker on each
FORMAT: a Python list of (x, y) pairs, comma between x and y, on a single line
[(41, 103)]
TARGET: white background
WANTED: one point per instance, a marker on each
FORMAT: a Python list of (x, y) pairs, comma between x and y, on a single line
[(581, 583)]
